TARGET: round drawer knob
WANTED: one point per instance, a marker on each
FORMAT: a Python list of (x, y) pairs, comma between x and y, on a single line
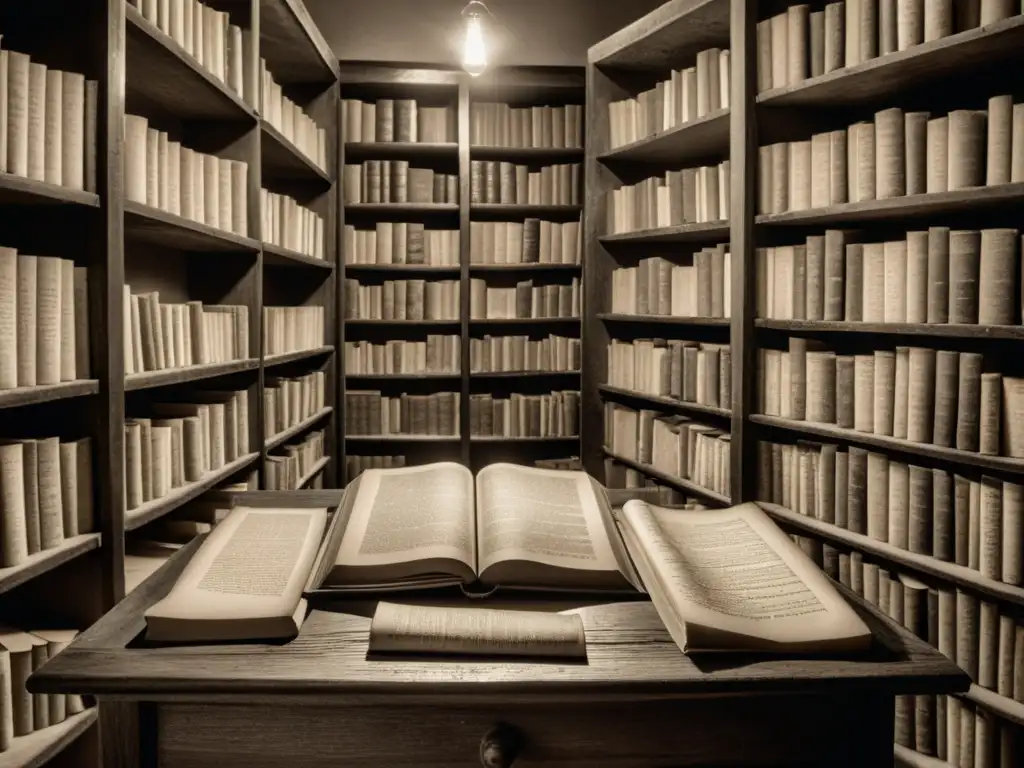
[(499, 746)]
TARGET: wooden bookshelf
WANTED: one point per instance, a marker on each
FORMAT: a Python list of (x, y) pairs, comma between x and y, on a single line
[(683, 233), (285, 435), (357, 151), (692, 140), (39, 748), (910, 330), (47, 560), (678, 483), (19, 396)]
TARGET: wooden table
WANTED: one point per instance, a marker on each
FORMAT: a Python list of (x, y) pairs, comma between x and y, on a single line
[(637, 701)]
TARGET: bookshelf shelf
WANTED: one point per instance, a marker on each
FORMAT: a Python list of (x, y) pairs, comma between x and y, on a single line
[(416, 210), (161, 72), (285, 435), (925, 566), (276, 256), (315, 470), (151, 225), (522, 321), (47, 560), (39, 748), (291, 357), (720, 322), (283, 160), (172, 376), (516, 211), (443, 324), (688, 142), (1006, 708), (669, 403), (1003, 464), (153, 510), (683, 233), (904, 757), (522, 374), (527, 155), (294, 48), (934, 330), (398, 439), (412, 270), (14, 398), (501, 439), (480, 269), (18, 190), (685, 486), (357, 151), (358, 377)]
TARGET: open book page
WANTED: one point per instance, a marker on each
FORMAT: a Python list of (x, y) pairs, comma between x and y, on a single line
[(487, 631), (254, 564), (732, 579), (547, 516), (408, 515)]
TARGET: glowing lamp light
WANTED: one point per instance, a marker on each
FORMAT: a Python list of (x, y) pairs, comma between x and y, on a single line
[(474, 53)]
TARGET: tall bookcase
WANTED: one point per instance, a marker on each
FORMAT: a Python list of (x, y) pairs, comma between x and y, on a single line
[(137, 58), (839, 272), (456, 155)]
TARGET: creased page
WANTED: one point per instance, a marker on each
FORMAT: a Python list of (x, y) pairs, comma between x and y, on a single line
[(548, 516), (410, 514), (484, 631), (736, 572)]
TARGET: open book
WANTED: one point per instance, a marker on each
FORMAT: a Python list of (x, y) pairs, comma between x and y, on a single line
[(435, 525), (245, 581), (730, 579)]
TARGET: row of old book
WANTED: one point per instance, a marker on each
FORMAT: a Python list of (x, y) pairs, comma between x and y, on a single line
[(524, 300), (550, 415), (402, 300), (799, 43), (294, 123), (401, 120), (494, 124), (971, 632), (289, 402), (44, 328), (292, 329), (46, 495), (207, 36), (508, 354), (934, 276), (48, 128), (657, 286), (393, 181), (288, 470), (938, 397), (160, 336), (897, 154), (963, 517), (369, 413), (675, 445), (690, 196), (200, 187), (686, 95), (689, 371), (291, 225), (437, 354), (23, 713), (531, 241), (399, 242), (178, 441), (493, 181)]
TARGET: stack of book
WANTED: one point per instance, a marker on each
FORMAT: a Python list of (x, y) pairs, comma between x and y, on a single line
[(291, 225), (688, 94), (689, 196), (894, 155), (393, 181), (940, 397), (930, 276), (404, 120), (289, 402), (699, 287), (370, 414), (26, 713), (164, 174), (49, 128), (284, 473), (674, 445), (438, 354), (356, 465), (684, 370), (493, 181), (44, 320), (291, 120), (492, 354), (161, 336), (531, 241), (798, 43), (402, 300), (177, 443), (525, 300), (47, 495), (292, 329), (493, 124), (553, 415), (402, 243)]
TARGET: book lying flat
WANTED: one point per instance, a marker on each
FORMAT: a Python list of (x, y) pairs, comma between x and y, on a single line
[(437, 525)]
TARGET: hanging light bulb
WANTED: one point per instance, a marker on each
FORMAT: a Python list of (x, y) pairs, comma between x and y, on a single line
[(474, 54)]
